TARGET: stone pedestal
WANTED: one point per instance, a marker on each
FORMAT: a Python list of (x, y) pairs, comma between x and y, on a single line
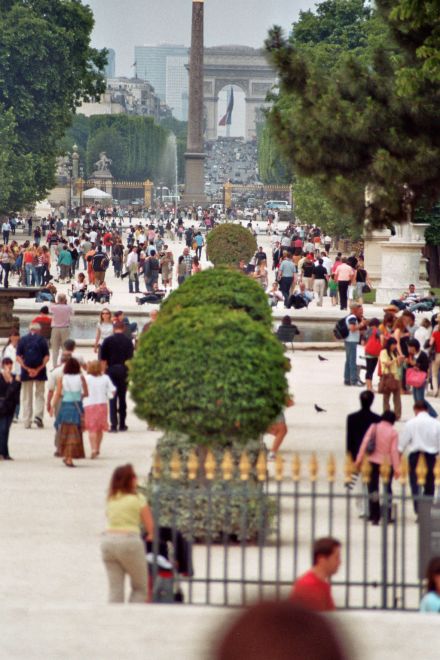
[(401, 258), (373, 253), (7, 298)]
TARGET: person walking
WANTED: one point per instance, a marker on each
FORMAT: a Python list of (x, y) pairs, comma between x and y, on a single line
[(9, 400), (6, 229), (313, 589), (417, 373), (61, 313), (100, 391), (373, 347), (380, 445), (319, 278), (286, 276), (65, 263), (104, 328), (32, 356), (344, 275), (389, 383), (435, 342), (115, 352), (421, 435), (71, 388), (355, 324), (122, 549), (100, 263)]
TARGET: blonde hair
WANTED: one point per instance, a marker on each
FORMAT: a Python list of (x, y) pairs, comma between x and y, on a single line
[(94, 368)]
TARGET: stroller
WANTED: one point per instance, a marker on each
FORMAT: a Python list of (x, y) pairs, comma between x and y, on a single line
[(166, 561)]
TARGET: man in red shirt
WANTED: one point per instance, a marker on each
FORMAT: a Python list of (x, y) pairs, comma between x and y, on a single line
[(313, 589)]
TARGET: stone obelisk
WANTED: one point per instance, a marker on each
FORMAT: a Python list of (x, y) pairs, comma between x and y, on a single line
[(195, 157)]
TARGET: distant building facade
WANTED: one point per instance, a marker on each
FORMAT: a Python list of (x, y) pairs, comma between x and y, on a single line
[(130, 96), (164, 67), (110, 68)]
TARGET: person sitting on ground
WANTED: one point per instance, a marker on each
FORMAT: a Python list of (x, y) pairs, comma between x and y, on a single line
[(274, 294), (425, 304), (79, 288), (153, 297), (47, 293), (300, 298), (407, 298), (101, 293)]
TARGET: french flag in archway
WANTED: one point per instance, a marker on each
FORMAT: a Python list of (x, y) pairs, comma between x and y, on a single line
[(226, 120)]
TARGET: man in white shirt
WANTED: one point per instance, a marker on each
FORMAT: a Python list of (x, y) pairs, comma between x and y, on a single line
[(421, 435)]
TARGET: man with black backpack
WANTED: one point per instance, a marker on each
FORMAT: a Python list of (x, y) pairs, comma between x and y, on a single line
[(100, 263)]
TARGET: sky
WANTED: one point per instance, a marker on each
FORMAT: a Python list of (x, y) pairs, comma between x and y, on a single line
[(124, 24)]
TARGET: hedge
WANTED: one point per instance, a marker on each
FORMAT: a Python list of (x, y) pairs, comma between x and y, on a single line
[(221, 286), (228, 244), (216, 378)]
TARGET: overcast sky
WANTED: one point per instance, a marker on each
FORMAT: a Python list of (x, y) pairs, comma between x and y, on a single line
[(123, 24)]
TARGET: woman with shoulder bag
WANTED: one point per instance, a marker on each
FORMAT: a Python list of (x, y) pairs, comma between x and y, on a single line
[(379, 444), (372, 349), (389, 383)]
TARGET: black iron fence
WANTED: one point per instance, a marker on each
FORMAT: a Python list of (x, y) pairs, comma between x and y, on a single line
[(237, 531)]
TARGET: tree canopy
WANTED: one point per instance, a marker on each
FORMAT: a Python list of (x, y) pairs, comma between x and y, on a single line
[(46, 68), (342, 115)]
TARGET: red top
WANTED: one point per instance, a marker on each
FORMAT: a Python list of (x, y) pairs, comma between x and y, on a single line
[(436, 338), (313, 593)]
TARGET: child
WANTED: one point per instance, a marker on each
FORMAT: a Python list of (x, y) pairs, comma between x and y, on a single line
[(333, 289)]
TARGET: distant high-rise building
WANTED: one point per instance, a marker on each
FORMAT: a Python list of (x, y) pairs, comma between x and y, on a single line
[(163, 67), (176, 91), (110, 68)]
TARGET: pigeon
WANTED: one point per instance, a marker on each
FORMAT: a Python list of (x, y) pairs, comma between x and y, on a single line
[(322, 359), (318, 409)]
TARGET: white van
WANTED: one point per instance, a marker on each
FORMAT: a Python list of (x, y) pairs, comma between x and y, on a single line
[(278, 204)]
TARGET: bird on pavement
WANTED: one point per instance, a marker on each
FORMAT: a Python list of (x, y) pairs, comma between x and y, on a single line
[(318, 409), (322, 359)]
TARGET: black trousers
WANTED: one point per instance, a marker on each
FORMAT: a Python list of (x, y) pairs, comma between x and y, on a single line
[(374, 494), (118, 405), (343, 291), (285, 284), (428, 488)]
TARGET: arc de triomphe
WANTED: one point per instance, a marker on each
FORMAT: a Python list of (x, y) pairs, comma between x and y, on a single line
[(243, 66)]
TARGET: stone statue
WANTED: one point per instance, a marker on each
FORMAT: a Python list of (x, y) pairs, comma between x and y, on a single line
[(62, 167), (102, 165)]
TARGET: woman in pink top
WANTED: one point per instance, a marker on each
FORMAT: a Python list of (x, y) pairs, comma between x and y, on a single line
[(385, 438)]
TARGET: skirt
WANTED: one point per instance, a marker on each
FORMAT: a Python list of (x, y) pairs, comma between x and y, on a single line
[(96, 418), (71, 441)]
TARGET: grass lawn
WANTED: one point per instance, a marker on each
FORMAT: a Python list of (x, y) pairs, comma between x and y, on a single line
[(370, 298)]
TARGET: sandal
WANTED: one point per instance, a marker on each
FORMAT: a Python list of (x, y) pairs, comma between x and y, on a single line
[(95, 454)]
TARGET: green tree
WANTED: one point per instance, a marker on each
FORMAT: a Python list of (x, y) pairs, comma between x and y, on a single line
[(46, 68), (214, 377), (313, 207), (348, 124), (229, 244)]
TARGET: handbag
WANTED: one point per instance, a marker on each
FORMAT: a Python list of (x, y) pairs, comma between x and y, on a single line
[(371, 444), (366, 289), (388, 384), (415, 377)]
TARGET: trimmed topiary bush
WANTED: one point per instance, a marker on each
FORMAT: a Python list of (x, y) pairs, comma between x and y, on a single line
[(221, 286), (228, 244), (216, 378)]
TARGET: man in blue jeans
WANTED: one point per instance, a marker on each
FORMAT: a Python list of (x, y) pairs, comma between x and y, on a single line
[(355, 323)]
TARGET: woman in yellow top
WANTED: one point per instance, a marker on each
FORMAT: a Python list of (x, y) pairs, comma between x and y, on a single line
[(390, 362), (122, 548)]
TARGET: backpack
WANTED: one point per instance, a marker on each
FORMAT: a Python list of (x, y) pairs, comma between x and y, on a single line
[(373, 346), (100, 262), (340, 330)]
